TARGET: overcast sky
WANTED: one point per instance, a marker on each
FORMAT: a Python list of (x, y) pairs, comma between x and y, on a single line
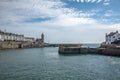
[(68, 21)]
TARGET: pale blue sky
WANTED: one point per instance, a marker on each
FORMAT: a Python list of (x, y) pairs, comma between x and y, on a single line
[(68, 21)]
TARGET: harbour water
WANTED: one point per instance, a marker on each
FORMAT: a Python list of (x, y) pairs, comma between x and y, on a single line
[(47, 64)]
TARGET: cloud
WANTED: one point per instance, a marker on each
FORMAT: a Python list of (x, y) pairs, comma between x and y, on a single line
[(37, 9), (71, 21), (109, 13), (58, 22), (92, 1), (115, 26), (105, 2), (29, 8), (99, 1)]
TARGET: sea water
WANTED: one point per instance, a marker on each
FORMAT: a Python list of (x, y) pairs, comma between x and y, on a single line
[(48, 64)]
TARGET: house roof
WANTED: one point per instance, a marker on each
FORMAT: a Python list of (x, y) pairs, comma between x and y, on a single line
[(112, 33), (29, 38), (8, 33)]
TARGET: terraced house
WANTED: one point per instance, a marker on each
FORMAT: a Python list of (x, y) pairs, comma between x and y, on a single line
[(6, 36)]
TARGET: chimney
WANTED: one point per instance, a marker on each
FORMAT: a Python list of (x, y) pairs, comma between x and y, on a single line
[(117, 31), (106, 34)]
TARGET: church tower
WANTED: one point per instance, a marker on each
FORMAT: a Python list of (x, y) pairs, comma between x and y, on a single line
[(42, 38)]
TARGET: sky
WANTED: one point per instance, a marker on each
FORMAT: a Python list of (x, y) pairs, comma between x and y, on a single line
[(61, 21)]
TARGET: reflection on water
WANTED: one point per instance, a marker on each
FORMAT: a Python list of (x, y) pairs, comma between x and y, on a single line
[(47, 64)]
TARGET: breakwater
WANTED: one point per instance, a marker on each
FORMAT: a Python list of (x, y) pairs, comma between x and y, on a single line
[(80, 50)]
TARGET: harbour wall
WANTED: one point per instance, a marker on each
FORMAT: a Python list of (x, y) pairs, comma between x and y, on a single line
[(9, 45), (101, 51), (111, 51), (15, 44)]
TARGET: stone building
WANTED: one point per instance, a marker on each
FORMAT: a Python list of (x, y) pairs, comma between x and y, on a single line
[(40, 41)]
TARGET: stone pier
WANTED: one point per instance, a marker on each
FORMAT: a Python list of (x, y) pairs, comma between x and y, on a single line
[(80, 50)]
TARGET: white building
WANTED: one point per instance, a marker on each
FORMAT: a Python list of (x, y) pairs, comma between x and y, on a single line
[(29, 39), (2, 36), (5, 36), (111, 37)]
